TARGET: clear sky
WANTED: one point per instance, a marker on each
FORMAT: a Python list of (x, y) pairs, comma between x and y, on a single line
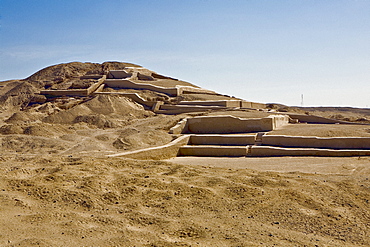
[(261, 50)]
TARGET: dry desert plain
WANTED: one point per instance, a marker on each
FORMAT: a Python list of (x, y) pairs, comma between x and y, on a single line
[(59, 188)]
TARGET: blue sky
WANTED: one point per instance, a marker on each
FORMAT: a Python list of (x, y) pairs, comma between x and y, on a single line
[(259, 50)]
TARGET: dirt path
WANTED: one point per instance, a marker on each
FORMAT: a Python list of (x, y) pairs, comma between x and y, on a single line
[(319, 165)]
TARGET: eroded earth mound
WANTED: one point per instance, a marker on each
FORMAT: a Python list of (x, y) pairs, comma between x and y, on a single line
[(59, 188)]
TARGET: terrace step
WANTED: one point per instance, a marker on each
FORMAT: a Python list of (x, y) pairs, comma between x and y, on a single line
[(213, 151), (271, 151), (178, 109), (223, 139)]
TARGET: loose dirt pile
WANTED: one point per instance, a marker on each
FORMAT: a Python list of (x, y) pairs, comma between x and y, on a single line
[(101, 112)]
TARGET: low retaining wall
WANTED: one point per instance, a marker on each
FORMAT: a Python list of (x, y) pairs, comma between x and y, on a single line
[(213, 151), (123, 83), (75, 92), (100, 89), (95, 77), (252, 105), (172, 91), (157, 105), (167, 151), (134, 96), (223, 103), (318, 120), (190, 90), (129, 72), (231, 124), (186, 108), (182, 110), (317, 142), (278, 120), (66, 92), (261, 151), (118, 74), (180, 127), (226, 103), (258, 105), (96, 85), (245, 104), (227, 140)]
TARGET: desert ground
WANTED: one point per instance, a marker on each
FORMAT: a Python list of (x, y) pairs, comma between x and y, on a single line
[(58, 187)]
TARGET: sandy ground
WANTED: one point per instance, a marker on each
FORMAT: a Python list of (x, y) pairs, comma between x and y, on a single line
[(58, 187), (85, 201), (317, 165)]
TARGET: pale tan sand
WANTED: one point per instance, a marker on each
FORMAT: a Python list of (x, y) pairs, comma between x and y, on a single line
[(58, 188), (316, 165)]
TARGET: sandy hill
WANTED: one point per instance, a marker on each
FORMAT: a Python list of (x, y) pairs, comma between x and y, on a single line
[(102, 123), (58, 188)]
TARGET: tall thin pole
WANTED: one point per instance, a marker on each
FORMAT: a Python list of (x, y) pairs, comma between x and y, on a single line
[(301, 99)]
